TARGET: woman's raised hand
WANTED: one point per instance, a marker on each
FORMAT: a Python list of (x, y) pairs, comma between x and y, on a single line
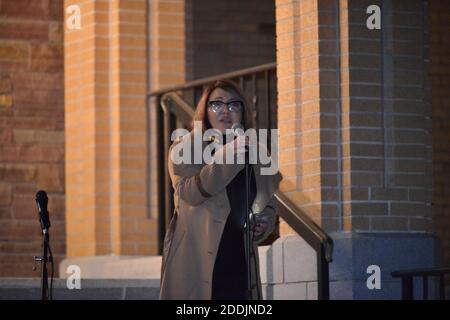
[(241, 144)]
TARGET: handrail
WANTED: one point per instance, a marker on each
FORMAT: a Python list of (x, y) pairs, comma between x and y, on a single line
[(207, 80), (301, 223), (184, 112), (304, 225), (421, 272), (408, 283)]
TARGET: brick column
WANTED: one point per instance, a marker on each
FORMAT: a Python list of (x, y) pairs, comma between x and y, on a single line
[(354, 114), (308, 108), (133, 230), (386, 113), (354, 119), (167, 67), (440, 75), (106, 130), (167, 43)]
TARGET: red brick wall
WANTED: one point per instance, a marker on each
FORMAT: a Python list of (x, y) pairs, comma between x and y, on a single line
[(440, 75), (31, 130)]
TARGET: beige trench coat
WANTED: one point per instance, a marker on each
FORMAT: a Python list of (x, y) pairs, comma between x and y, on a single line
[(202, 208)]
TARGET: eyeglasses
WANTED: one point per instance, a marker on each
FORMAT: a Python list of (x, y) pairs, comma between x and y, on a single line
[(232, 106)]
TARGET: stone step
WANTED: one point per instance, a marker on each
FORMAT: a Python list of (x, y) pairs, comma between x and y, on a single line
[(91, 289), (114, 267)]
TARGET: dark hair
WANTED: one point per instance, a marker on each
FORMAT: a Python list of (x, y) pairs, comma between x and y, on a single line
[(201, 113)]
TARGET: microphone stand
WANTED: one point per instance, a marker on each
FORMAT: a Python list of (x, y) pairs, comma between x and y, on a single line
[(41, 201), (44, 259), (248, 245)]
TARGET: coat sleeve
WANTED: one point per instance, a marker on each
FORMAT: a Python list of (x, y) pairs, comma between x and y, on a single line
[(206, 182), (269, 215)]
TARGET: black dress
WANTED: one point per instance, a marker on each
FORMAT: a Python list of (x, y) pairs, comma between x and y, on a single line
[(230, 269)]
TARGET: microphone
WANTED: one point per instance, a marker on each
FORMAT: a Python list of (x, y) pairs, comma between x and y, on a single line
[(238, 129), (41, 202), (212, 137)]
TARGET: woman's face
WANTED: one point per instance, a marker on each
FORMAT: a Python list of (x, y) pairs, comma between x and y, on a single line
[(224, 108)]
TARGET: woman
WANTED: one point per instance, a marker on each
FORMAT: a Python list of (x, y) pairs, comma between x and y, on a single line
[(204, 248)]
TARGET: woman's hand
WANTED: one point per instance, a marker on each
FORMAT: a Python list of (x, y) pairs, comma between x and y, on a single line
[(258, 225), (241, 144)]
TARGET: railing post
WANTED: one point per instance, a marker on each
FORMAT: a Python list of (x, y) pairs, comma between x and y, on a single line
[(323, 281), (256, 112), (442, 287), (161, 173), (407, 288), (168, 205), (425, 287), (407, 278), (266, 104)]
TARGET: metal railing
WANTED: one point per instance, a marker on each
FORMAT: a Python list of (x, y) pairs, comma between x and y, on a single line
[(407, 277), (314, 235), (174, 109)]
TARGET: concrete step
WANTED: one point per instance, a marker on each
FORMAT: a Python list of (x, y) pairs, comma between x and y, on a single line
[(102, 278), (114, 267), (91, 289)]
